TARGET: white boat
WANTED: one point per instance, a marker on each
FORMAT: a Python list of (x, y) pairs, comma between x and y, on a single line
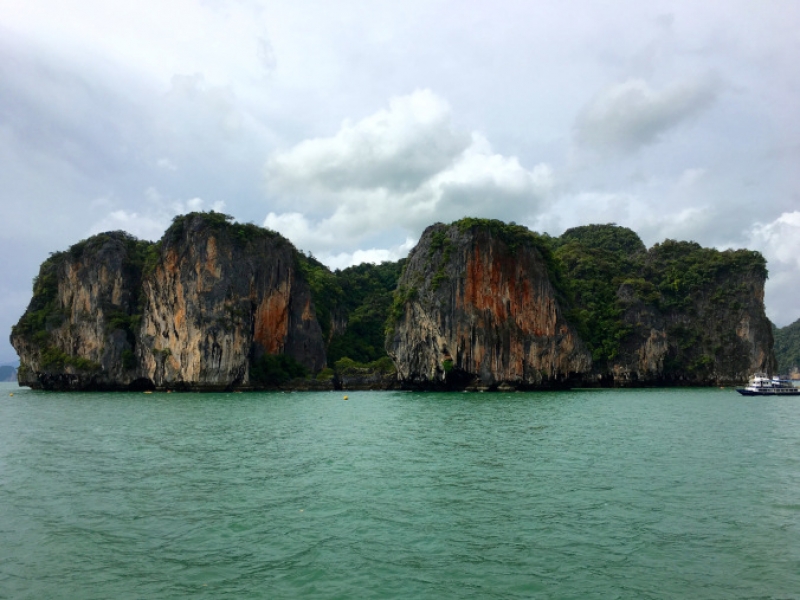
[(762, 385)]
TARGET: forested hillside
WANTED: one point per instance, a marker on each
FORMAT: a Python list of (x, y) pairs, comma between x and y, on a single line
[(698, 298), (787, 348)]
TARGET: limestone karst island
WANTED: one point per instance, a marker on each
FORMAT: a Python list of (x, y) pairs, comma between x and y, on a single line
[(477, 305)]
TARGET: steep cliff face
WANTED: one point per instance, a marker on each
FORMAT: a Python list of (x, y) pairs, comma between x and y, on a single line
[(78, 330), (475, 308), (199, 310), (716, 333), (787, 349), (674, 314), (217, 300)]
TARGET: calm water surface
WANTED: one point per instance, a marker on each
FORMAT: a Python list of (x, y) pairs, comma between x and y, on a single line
[(691, 493)]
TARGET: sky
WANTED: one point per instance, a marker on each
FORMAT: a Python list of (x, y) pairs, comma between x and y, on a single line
[(350, 126)]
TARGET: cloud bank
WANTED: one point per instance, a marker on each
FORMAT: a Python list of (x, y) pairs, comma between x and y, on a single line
[(397, 170)]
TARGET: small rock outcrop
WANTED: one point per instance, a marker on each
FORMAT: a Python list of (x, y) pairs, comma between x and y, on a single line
[(476, 309)]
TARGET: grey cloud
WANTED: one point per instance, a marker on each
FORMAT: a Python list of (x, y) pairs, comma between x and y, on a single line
[(627, 116)]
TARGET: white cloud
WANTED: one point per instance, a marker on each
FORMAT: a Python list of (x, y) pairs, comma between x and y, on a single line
[(404, 167), (144, 227), (343, 260), (298, 229), (691, 177), (626, 116), (396, 148), (150, 222), (780, 239), (779, 242), (165, 163), (193, 104)]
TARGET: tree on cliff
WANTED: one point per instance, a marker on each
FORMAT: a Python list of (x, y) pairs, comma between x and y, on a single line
[(787, 347)]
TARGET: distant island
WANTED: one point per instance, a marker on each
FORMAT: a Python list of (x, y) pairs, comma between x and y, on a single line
[(8, 373), (787, 349), (478, 305)]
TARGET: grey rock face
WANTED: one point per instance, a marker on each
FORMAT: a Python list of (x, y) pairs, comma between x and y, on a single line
[(192, 312), (214, 304), (76, 333)]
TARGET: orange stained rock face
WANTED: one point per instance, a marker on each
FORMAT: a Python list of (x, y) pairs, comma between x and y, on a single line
[(272, 322), (209, 270), (171, 262), (211, 256), (179, 305), (499, 286), (307, 314), (486, 286), (179, 317)]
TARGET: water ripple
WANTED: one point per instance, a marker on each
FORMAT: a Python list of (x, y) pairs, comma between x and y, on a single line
[(587, 494)]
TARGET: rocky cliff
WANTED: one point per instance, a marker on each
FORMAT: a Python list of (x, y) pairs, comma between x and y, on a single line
[(198, 310), (76, 333), (480, 304), (483, 305), (787, 349), (674, 314), (219, 298), (477, 308)]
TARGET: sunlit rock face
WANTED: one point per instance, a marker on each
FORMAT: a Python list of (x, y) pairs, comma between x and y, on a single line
[(214, 303), (193, 311), (477, 310)]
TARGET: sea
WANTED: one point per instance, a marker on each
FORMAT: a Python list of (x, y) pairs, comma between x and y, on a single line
[(683, 493)]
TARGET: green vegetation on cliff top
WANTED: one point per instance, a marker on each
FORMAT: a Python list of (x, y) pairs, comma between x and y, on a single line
[(597, 261), (45, 314), (220, 223)]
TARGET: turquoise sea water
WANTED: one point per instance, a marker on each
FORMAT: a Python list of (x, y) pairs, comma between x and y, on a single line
[(678, 493)]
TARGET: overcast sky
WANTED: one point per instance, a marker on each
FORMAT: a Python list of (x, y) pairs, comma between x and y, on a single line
[(351, 126)]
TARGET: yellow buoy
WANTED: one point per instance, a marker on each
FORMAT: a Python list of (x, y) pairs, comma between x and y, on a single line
[(345, 398), (11, 394)]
